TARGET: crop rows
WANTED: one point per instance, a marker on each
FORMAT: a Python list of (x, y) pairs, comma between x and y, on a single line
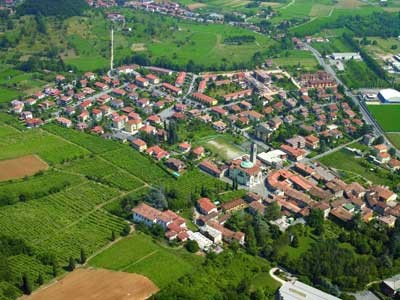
[(91, 233), (39, 219), (21, 264)]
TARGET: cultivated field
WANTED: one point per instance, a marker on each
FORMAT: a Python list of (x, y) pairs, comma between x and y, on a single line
[(87, 284), (21, 167), (140, 254), (387, 116)]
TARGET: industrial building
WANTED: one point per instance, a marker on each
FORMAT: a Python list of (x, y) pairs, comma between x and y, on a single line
[(296, 290), (389, 96)]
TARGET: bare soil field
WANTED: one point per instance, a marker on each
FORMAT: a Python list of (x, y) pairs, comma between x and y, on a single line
[(99, 284), (196, 5), (20, 167)]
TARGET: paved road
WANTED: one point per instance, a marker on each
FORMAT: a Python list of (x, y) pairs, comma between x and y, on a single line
[(271, 273), (363, 108)]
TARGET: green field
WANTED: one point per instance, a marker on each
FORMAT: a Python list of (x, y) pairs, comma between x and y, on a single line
[(202, 44), (294, 59), (387, 116), (140, 254), (395, 139), (358, 75), (357, 169)]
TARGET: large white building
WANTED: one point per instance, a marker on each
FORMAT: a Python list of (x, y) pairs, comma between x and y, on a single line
[(296, 290), (389, 96), (346, 56)]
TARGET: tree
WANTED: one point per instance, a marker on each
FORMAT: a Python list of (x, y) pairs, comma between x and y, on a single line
[(295, 241), (273, 212), (112, 235), (82, 256), (192, 246), (392, 151), (40, 279), (71, 264), (54, 268), (126, 230), (316, 221), (26, 286)]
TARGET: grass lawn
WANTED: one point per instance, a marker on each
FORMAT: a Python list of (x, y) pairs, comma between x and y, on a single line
[(140, 254), (387, 116), (223, 148), (305, 243), (395, 139)]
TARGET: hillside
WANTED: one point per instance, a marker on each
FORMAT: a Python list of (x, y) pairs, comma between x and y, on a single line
[(52, 8)]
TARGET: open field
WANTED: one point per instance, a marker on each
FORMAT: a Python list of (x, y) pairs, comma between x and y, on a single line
[(185, 41), (297, 59), (139, 254), (20, 167), (97, 284), (223, 149), (356, 169), (358, 75), (394, 138), (387, 116)]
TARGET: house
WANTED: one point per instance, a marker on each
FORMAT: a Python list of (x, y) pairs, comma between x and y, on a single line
[(97, 114), (133, 125), (207, 100), (153, 79), (180, 79), (210, 168), (297, 142), (64, 122), (293, 153), (118, 92), (117, 103), (148, 129), (84, 116), (139, 145), (184, 147), (34, 122), (383, 193), (142, 82), (205, 206), (97, 130), (198, 152), (256, 208), (89, 76), (381, 148), (25, 115), (119, 121), (312, 142), (173, 89), (175, 164), (157, 152), (102, 86), (219, 126), (234, 205)]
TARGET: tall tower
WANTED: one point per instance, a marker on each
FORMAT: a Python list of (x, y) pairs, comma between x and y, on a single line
[(112, 50), (253, 153)]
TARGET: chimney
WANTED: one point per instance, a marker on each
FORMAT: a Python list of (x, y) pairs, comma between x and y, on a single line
[(253, 153)]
